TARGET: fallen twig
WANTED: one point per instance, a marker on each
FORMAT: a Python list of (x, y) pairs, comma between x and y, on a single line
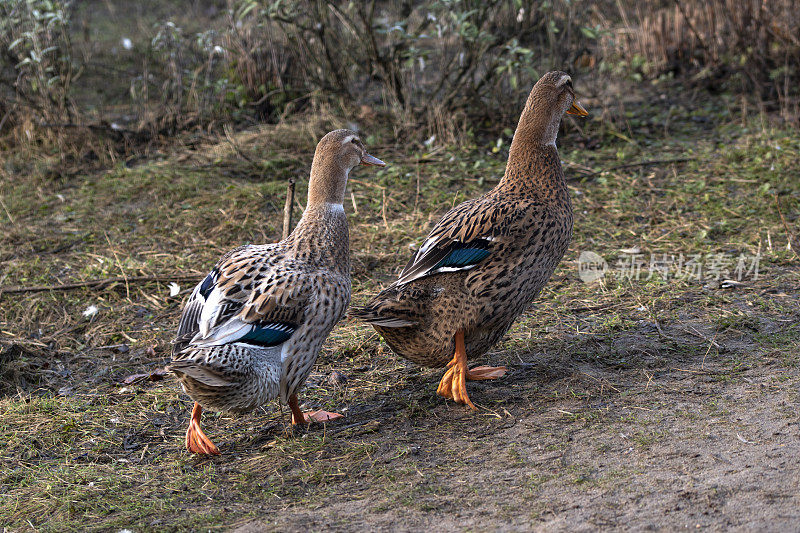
[(590, 308), (105, 128), (98, 283)]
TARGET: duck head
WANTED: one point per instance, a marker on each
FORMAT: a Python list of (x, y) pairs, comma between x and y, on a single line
[(550, 99), (337, 154)]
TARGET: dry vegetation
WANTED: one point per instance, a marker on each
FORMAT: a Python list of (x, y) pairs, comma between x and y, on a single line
[(99, 81), (650, 403)]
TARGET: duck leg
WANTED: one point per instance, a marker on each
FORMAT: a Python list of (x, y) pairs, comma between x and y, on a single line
[(454, 381), (299, 417), (196, 440)]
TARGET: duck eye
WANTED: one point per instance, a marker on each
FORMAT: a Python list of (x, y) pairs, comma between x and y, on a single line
[(569, 84)]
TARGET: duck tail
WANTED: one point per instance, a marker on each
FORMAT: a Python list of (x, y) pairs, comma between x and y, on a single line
[(197, 372)]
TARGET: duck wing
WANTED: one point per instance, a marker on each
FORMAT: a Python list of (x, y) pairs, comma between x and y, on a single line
[(255, 295), (461, 240)]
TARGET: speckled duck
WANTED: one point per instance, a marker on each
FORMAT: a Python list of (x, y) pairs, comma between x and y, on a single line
[(252, 329), (487, 258)]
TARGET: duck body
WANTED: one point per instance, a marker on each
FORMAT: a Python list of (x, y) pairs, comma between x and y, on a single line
[(523, 235), (486, 259), (252, 329)]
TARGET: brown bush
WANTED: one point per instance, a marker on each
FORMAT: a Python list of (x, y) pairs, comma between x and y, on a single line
[(432, 67), (467, 54), (753, 43)]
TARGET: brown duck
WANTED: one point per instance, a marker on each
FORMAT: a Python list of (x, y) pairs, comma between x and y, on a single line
[(487, 258), (252, 329)]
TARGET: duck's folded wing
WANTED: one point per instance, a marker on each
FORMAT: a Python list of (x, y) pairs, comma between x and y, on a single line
[(460, 241), (246, 299), (189, 324)]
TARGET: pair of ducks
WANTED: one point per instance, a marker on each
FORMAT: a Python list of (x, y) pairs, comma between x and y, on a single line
[(252, 329)]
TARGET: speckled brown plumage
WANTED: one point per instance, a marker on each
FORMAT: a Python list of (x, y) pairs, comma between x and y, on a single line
[(301, 284), (487, 258), (252, 329)]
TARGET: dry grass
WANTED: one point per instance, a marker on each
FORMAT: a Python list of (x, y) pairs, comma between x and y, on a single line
[(659, 362)]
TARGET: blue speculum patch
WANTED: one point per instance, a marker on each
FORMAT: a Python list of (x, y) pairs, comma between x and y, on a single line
[(463, 257), (269, 335)]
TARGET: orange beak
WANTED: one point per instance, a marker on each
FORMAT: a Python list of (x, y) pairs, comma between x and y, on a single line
[(577, 109), (372, 160)]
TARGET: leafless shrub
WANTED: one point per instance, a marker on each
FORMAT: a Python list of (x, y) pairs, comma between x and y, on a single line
[(447, 54), (265, 71), (181, 84), (36, 66)]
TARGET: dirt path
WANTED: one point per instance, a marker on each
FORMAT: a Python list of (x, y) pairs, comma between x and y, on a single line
[(580, 446)]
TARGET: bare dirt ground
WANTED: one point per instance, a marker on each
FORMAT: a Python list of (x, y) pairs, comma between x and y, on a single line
[(660, 441)]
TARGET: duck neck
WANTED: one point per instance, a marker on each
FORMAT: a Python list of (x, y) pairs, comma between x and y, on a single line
[(327, 183), (533, 168), (322, 236)]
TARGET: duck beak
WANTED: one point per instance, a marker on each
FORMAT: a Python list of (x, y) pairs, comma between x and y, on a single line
[(372, 160), (577, 109)]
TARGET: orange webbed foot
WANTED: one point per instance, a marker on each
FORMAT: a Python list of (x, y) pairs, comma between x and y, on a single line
[(299, 417), (454, 382), (196, 439), (454, 386)]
